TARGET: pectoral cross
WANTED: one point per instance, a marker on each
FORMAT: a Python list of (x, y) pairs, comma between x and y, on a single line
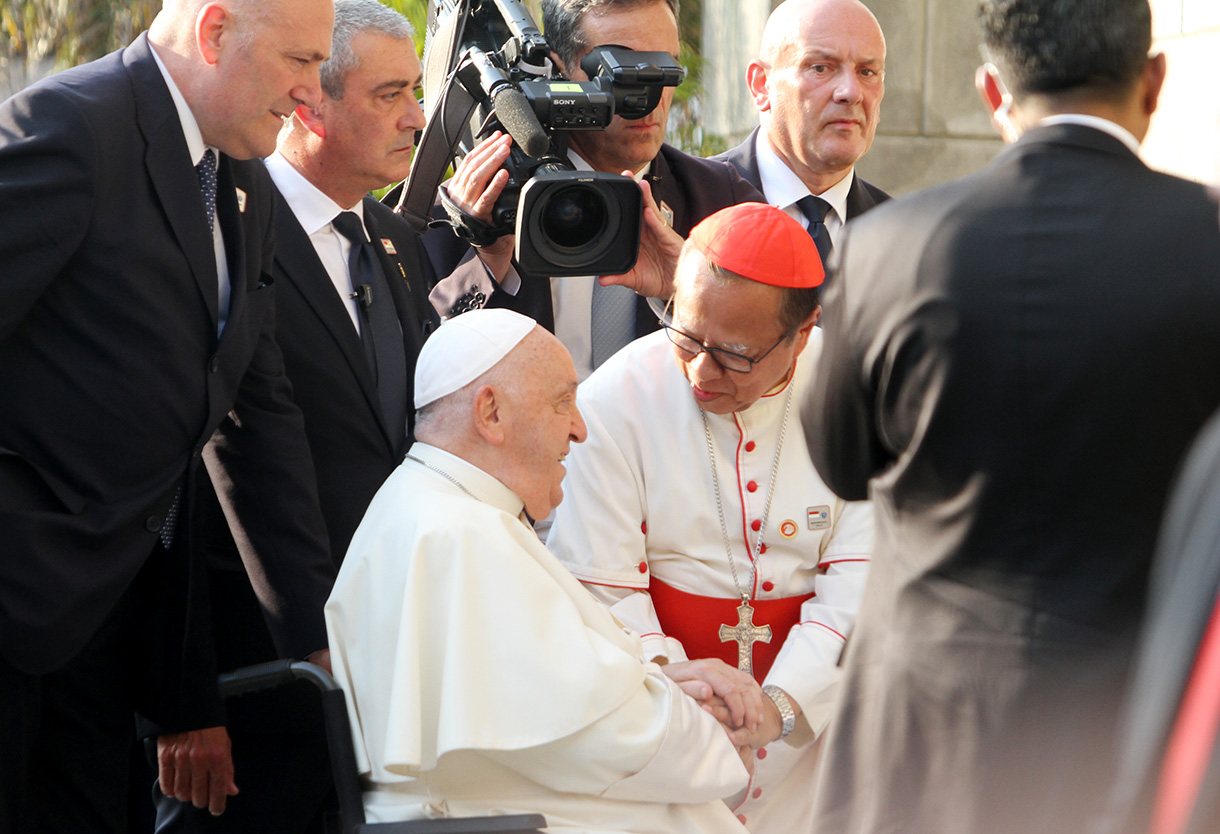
[(746, 634)]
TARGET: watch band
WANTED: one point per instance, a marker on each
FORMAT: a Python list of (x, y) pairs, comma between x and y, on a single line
[(785, 708)]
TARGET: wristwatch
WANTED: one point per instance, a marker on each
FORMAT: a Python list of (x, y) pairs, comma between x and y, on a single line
[(785, 708)]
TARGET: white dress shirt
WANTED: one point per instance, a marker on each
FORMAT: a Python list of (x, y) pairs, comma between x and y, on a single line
[(783, 188), (316, 213), (196, 148)]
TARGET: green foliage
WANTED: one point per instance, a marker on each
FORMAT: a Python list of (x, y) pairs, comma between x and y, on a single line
[(69, 32)]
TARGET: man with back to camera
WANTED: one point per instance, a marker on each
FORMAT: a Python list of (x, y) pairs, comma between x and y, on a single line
[(694, 495), (1014, 365), (817, 82), (592, 320), (350, 319), (136, 314), (481, 677)]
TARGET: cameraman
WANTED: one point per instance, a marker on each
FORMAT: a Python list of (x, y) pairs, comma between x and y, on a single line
[(591, 320)]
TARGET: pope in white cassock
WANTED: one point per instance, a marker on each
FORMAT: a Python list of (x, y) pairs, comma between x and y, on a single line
[(693, 511), (481, 677)]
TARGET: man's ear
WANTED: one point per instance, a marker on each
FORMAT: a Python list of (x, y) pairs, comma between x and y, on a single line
[(312, 119), (756, 80), (1153, 79), (489, 415), (212, 25), (997, 100), (558, 62)]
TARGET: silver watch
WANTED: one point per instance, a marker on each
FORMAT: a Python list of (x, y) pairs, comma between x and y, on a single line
[(785, 708)]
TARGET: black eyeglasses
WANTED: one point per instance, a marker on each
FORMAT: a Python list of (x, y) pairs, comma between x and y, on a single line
[(692, 347)]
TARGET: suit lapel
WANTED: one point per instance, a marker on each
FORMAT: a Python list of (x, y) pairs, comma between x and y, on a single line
[(171, 170), (298, 264)]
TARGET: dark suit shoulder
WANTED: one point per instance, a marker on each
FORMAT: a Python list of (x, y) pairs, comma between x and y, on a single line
[(694, 187)]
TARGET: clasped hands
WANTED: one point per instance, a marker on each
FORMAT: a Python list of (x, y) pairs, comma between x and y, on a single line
[(478, 181), (734, 698)]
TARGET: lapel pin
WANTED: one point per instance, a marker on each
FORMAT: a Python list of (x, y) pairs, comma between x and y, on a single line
[(241, 200), (819, 517), (388, 246), (667, 214)]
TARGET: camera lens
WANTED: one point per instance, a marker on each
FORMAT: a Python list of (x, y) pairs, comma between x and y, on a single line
[(574, 217)]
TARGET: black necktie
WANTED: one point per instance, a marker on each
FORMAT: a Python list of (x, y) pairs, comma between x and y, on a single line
[(380, 330), (206, 171), (815, 210)]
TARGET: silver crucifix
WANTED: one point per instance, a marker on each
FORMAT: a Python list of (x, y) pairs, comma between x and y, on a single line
[(746, 634)]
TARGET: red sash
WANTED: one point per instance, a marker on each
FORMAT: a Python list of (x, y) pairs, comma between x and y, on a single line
[(695, 622)]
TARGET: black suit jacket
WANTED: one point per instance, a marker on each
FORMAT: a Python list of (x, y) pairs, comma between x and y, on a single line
[(1015, 363), (1182, 597), (353, 450), (112, 379), (861, 197), (691, 187)]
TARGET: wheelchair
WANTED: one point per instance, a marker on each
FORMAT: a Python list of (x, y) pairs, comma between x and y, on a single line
[(343, 757)]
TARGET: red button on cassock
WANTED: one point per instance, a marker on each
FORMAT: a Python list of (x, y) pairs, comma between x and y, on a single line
[(762, 752), (757, 793), (756, 525), (768, 585), (762, 549), (752, 486), (750, 446), (741, 818), (643, 567), (644, 528)]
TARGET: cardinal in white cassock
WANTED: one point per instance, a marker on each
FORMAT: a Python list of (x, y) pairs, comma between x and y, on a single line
[(693, 511)]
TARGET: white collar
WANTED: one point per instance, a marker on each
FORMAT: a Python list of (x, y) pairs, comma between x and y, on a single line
[(313, 209), (783, 187), (578, 162), (1097, 123), (195, 146), (483, 486)]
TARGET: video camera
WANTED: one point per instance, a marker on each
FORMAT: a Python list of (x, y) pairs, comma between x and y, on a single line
[(487, 67)]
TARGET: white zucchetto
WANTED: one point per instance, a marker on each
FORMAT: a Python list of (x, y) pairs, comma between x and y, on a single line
[(464, 348)]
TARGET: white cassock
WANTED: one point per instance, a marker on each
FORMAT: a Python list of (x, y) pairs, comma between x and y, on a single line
[(483, 679), (639, 526)]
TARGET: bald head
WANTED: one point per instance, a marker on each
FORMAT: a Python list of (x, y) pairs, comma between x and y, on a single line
[(818, 84), (243, 66)]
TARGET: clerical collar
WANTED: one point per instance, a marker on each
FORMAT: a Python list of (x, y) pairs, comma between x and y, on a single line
[(783, 187), (485, 487), (312, 208)]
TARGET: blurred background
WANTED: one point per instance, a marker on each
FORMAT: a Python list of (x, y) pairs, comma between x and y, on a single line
[(933, 127)]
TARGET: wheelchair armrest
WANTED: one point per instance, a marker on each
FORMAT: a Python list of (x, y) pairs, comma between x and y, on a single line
[(509, 824)]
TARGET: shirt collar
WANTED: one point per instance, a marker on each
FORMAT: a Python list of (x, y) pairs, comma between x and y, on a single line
[(485, 487), (783, 187), (1097, 123), (578, 162), (195, 146), (313, 209)]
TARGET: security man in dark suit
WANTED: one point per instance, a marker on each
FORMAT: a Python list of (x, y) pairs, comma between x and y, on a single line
[(352, 312), (136, 313), (1014, 365), (818, 84), (593, 321)]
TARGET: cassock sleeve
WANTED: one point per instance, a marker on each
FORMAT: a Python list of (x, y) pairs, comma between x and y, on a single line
[(807, 665)]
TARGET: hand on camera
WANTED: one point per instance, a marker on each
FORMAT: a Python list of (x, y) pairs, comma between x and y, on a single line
[(476, 184)]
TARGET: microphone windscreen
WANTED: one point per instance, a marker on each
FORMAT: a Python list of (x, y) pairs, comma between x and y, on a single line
[(514, 112)]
